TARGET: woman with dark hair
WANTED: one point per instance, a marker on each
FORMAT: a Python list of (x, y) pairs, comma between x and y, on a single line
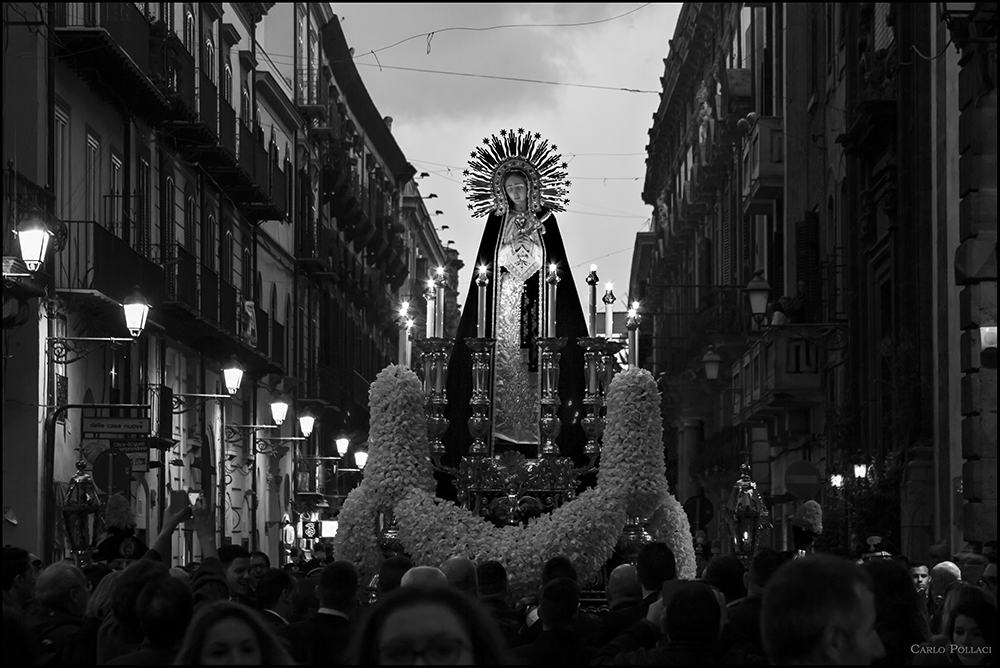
[(975, 629), (900, 616), (230, 633), (440, 625)]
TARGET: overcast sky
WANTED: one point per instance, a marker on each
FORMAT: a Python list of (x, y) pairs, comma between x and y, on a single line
[(600, 129)]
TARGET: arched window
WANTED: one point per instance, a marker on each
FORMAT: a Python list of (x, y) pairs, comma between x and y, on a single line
[(169, 218), (227, 258), (189, 30), (208, 243), (190, 224), (245, 106), (247, 282), (209, 65), (227, 83)]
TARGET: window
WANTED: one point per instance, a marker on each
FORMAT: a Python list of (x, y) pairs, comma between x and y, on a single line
[(227, 258), (227, 83), (190, 225), (245, 107), (116, 194), (141, 240), (62, 153), (247, 276), (210, 58), (208, 243), (189, 33), (169, 218), (92, 178)]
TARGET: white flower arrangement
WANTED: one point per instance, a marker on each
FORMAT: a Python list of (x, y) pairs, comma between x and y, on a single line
[(631, 482), (809, 516)]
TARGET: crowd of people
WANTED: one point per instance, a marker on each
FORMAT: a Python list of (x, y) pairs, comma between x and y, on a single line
[(234, 608)]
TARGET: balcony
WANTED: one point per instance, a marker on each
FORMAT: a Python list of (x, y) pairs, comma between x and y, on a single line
[(780, 371), (763, 165), (197, 137), (229, 308), (108, 44), (96, 271), (313, 103), (173, 72)]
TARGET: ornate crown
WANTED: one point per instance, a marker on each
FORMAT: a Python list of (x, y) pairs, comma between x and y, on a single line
[(523, 151)]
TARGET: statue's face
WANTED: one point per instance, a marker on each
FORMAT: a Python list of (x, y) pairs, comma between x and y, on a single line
[(517, 190)]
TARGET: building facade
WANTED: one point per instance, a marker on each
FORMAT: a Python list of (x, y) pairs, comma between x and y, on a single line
[(222, 158), (820, 148)]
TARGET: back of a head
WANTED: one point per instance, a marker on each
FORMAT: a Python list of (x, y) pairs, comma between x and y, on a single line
[(765, 564), (492, 578), (898, 606), (127, 588), (273, 583), (55, 583), (304, 598), (960, 593), (655, 564), (165, 608), (725, 573), (392, 571), (425, 577), (692, 614), (461, 574), (559, 601), (558, 567), (800, 601), (338, 585), (623, 585), (101, 598), (230, 553)]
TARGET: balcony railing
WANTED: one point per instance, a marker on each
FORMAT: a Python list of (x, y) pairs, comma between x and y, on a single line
[(173, 71), (227, 126), (229, 308), (183, 281), (208, 103), (209, 294), (122, 21), (278, 343), (781, 370), (263, 333)]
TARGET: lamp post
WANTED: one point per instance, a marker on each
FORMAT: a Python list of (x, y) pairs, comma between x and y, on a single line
[(33, 236), (233, 374), (279, 409), (307, 420), (744, 514), (758, 291), (343, 443), (712, 361)]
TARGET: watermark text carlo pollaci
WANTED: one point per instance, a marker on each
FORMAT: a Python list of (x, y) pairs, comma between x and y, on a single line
[(950, 648)]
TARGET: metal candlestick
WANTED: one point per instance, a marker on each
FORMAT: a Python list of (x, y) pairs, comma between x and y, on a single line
[(549, 348), (435, 354), (479, 423), (592, 399)]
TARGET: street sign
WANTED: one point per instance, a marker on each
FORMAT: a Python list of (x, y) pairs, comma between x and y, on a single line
[(700, 511), (113, 472), (137, 451), (802, 480), (139, 426)]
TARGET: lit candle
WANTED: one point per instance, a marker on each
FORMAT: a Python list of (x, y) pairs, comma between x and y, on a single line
[(609, 318), (552, 281), (429, 297), (403, 331), (633, 327), (592, 314), (482, 281), (409, 342), (439, 315)]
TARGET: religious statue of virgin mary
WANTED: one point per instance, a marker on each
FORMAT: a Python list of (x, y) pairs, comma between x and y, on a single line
[(518, 180)]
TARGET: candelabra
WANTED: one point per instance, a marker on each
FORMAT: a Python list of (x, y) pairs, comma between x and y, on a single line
[(549, 355), (593, 400), (436, 352), (609, 367), (479, 423)]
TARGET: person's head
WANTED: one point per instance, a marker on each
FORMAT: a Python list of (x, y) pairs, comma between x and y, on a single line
[(989, 579), (655, 564), (763, 565), (424, 576), (96, 572), (725, 573), (391, 572), (820, 609), (899, 609), (338, 586), (274, 591), (558, 567), (126, 593), (558, 604), (692, 613), (920, 574), (304, 598), (516, 186), (958, 594), (165, 607), (236, 562), (492, 578), (461, 574), (102, 596), (942, 575), (18, 574), (63, 586), (623, 586), (259, 563), (972, 631), (225, 632), (438, 625)]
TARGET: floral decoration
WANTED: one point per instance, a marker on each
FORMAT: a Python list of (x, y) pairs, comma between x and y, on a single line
[(809, 516), (398, 478)]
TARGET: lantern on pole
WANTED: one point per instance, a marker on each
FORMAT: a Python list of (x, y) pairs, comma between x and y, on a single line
[(80, 507), (744, 513)]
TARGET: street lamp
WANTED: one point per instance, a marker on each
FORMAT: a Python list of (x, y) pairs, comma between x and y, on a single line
[(233, 374), (306, 422), (279, 409), (837, 480), (860, 470), (342, 444), (758, 290), (136, 312), (80, 507), (33, 236), (361, 458), (712, 361), (744, 515)]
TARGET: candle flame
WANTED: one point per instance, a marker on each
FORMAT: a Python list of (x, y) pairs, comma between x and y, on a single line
[(552, 268), (440, 271), (410, 322), (635, 305), (482, 270), (593, 267), (608, 286)]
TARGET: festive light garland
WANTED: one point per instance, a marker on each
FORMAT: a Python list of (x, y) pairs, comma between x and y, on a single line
[(399, 479)]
